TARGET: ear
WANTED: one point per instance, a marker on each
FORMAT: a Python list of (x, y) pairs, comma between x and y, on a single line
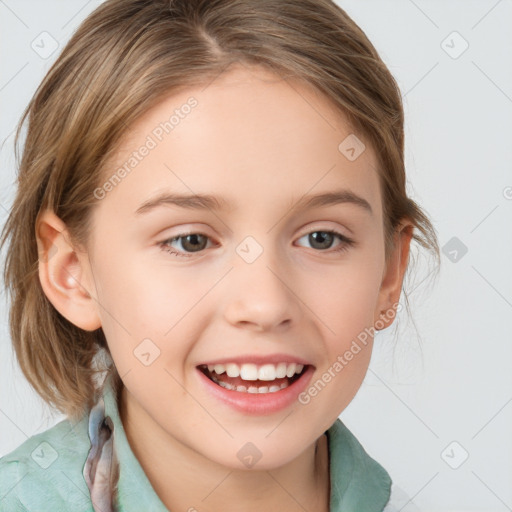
[(393, 276), (64, 273)]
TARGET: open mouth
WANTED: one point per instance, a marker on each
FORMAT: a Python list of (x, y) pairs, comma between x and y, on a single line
[(251, 378)]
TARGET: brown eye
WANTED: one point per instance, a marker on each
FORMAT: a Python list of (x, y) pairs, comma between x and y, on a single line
[(189, 242), (194, 242), (323, 240)]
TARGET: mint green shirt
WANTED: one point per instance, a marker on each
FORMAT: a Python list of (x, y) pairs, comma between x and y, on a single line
[(46, 472)]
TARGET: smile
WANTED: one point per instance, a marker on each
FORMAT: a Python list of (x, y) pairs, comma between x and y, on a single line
[(252, 378)]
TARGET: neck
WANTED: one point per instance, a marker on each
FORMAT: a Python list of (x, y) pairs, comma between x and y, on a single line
[(186, 480)]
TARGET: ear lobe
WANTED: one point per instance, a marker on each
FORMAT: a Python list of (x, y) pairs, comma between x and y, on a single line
[(393, 277), (64, 273)]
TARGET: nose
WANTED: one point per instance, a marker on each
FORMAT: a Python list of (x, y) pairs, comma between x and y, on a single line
[(261, 296)]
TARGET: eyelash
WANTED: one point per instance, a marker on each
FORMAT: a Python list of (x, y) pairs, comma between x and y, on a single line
[(344, 246)]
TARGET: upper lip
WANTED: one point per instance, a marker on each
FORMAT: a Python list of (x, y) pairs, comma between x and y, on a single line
[(258, 360)]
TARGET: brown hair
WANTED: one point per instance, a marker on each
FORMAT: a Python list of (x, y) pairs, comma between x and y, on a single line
[(124, 58)]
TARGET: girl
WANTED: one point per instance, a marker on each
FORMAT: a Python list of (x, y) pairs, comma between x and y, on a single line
[(211, 223)]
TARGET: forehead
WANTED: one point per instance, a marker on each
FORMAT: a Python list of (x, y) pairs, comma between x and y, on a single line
[(249, 134)]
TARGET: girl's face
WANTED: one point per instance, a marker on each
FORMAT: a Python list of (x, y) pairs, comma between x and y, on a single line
[(257, 272)]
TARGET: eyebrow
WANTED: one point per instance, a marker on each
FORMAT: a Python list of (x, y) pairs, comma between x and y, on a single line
[(210, 202)]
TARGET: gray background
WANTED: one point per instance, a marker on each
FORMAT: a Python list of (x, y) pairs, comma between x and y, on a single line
[(428, 401)]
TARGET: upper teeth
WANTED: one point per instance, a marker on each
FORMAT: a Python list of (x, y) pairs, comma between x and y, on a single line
[(251, 371)]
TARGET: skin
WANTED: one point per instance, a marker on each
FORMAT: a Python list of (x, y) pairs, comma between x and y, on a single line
[(262, 143)]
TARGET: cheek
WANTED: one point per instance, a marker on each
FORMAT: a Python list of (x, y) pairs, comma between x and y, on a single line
[(344, 298), (144, 298), (344, 301), (140, 302)]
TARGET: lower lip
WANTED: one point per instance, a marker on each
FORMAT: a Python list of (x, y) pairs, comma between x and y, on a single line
[(259, 403)]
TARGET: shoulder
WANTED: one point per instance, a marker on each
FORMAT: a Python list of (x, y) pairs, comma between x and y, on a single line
[(45, 472)]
